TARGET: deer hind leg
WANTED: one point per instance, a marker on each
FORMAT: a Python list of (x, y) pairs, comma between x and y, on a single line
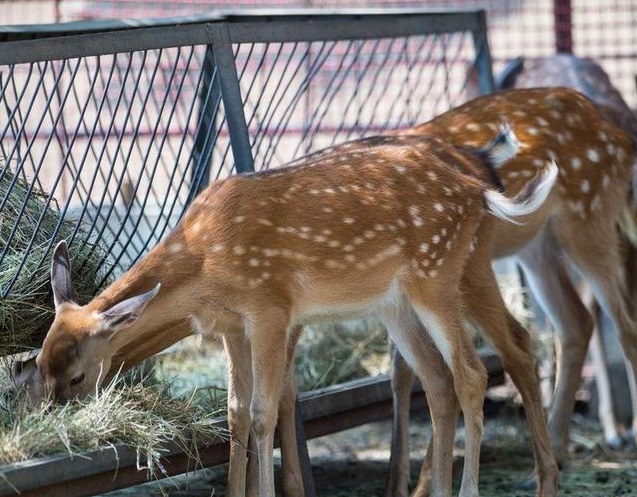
[(240, 386), (552, 286), (598, 260), (438, 384), (488, 313), (605, 410), (440, 316)]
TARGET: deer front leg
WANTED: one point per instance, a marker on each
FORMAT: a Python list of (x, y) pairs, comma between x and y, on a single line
[(238, 354), (401, 381), (293, 484), (269, 337)]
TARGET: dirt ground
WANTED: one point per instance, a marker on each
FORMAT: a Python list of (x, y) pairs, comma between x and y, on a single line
[(354, 463)]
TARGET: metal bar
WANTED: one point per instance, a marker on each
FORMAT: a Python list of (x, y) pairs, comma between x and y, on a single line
[(563, 26), (316, 27), (324, 411), (231, 94)]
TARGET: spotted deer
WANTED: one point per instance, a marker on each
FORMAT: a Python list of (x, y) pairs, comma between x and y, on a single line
[(389, 226), (590, 79), (578, 227)]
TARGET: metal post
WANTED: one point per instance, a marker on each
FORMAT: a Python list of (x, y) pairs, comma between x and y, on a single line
[(231, 94), (483, 55), (563, 26)]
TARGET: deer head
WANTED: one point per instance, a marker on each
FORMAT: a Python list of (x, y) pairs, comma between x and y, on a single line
[(67, 362)]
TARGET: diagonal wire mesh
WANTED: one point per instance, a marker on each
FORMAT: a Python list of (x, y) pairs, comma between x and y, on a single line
[(300, 97)]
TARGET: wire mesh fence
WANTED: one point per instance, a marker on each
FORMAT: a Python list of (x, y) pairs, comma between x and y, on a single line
[(115, 132)]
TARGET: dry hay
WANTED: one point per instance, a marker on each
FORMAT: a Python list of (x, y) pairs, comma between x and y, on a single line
[(26, 312), (134, 413)]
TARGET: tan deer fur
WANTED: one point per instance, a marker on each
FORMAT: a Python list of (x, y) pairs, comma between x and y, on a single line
[(589, 78), (381, 225), (578, 227)]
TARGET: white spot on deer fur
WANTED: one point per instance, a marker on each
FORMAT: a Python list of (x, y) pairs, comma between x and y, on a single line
[(254, 262), (576, 162), (596, 203), (439, 262), (334, 243), (526, 173), (513, 174), (400, 169), (438, 206), (331, 191), (432, 273), (343, 189), (328, 209), (270, 252), (603, 136), (359, 240), (175, 248), (606, 181), (610, 148), (264, 222), (435, 239), (217, 247), (420, 273), (586, 186), (238, 250), (592, 154), (472, 127), (379, 227), (532, 131), (432, 176), (350, 258), (320, 238), (542, 122), (538, 162), (417, 222), (424, 247), (369, 234), (348, 220), (577, 206), (348, 248)]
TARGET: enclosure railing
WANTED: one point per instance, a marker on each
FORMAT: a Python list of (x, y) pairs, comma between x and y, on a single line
[(114, 127)]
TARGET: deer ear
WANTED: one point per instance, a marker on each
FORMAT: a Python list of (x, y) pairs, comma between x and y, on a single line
[(61, 275), (122, 315)]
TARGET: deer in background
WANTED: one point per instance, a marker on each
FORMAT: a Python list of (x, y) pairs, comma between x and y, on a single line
[(588, 77), (579, 226), (395, 228)]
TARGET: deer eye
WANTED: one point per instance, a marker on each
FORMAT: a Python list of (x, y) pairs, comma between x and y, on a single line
[(77, 380)]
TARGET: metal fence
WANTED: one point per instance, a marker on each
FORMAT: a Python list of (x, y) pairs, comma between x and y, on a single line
[(121, 127)]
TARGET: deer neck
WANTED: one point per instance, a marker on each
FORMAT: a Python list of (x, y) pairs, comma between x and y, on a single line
[(173, 265)]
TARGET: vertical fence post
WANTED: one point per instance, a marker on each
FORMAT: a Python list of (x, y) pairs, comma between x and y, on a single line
[(563, 26), (231, 95), (483, 55)]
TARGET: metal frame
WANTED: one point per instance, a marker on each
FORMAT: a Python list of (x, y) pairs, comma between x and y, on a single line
[(221, 83)]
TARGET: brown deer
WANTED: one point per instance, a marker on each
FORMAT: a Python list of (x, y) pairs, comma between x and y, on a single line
[(595, 161), (588, 77), (391, 228)]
